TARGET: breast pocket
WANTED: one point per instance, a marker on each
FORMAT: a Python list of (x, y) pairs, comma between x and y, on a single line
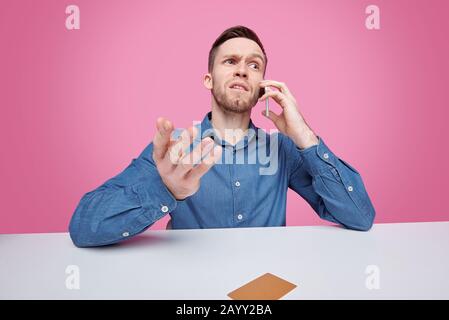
[(336, 174), (349, 166)]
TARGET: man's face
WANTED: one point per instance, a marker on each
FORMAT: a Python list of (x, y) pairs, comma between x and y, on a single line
[(238, 68)]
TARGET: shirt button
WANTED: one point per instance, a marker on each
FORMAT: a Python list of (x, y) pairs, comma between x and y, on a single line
[(240, 217), (326, 156), (350, 188), (125, 234), (164, 209), (237, 183)]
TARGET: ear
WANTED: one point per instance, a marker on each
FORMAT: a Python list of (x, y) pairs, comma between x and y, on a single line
[(208, 83)]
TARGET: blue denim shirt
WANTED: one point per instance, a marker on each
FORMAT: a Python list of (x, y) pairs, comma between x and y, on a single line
[(247, 188)]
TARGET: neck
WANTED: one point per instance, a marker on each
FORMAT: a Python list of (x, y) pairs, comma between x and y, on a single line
[(230, 126)]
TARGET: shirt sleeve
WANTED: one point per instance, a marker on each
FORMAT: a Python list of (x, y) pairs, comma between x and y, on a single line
[(332, 187), (123, 206)]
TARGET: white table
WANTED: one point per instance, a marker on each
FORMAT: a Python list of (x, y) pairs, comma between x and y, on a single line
[(412, 260)]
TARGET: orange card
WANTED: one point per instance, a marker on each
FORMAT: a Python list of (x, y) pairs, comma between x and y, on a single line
[(265, 287)]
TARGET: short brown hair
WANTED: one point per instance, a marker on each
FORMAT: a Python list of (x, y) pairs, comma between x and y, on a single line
[(234, 32)]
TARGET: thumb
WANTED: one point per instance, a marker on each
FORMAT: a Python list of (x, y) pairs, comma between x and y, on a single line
[(271, 115)]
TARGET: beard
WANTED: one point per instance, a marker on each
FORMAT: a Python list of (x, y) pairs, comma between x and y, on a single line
[(234, 101)]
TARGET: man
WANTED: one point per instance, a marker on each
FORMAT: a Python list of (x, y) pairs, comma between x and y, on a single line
[(198, 176)]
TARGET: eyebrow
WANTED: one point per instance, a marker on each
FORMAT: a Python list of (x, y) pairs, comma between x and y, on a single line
[(256, 55)]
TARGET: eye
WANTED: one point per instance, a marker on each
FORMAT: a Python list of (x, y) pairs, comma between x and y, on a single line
[(232, 60), (255, 65)]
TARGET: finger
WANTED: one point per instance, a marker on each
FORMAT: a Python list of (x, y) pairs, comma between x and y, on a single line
[(212, 157), (180, 146), (161, 139), (174, 153), (276, 95), (272, 116), (187, 137), (279, 85), (194, 157)]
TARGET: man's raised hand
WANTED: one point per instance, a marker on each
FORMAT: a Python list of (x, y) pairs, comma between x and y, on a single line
[(181, 172)]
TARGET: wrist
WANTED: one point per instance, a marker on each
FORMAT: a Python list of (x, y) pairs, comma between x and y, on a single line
[(305, 139)]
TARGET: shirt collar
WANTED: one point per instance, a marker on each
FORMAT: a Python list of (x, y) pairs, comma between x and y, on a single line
[(207, 130)]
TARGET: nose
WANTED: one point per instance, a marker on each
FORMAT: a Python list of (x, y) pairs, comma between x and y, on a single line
[(241, 71)]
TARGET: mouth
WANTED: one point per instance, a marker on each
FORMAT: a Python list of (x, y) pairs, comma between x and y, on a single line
[(238, 86)]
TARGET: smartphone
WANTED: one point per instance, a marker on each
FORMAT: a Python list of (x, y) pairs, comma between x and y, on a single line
[(261, 92)]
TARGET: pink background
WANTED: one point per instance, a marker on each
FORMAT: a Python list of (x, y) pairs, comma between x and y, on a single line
[(77, 106)]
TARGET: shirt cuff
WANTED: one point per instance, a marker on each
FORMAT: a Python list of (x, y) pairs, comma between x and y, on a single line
[(317, 158), (156, 199)]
